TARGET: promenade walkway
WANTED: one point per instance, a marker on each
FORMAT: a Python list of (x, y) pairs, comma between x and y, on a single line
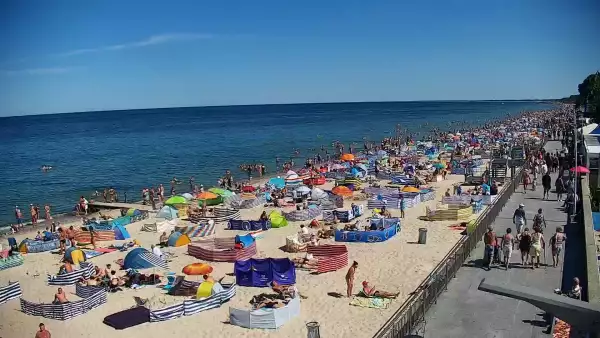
[(463, 311)]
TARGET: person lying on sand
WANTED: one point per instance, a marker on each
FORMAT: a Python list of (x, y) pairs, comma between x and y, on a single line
[(372, 291), (326, 233), (116, 281), (306, 262), (60, 297)]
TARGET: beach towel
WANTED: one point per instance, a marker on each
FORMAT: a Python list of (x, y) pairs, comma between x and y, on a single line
[(92, 253), (128, 318), (371, 303)]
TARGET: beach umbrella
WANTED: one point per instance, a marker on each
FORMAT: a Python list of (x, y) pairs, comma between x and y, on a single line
[(187, 196), (197, 269), (248, 188), (303, 190), (439, 165), (317, 194), (347, 157), (207, 195), (342, 191), (410, 189), (290, 172), (176, 200), (580, 170)]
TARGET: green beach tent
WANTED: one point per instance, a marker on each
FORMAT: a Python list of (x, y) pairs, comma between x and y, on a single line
[(176, 200), (211, 201), (277, 220), (221, 192)]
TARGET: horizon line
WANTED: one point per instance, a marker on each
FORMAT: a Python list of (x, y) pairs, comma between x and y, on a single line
[(278, 104)]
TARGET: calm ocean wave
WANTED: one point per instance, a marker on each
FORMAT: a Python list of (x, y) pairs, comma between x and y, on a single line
[(136, 148)]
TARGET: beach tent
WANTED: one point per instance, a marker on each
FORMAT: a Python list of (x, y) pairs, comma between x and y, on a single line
[(74, 255), (209, 198), (187, 196), (133, 212), (221, 192), (167, 212), (347, 157), (317, 194), (178, 239), (277, 220), (140, 258), (245, 240), (277, 182), (341, 190), (175, 200), (121, 233)]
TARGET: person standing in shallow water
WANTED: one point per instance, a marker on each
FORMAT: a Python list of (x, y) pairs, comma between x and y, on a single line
[(47, 210)]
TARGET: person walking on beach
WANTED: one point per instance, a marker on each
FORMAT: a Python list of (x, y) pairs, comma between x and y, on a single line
[(546, 183), (19, 216), (350, 278), (556, 243), (47, 211), (33, 214), (402, 206), (42, 332), (519, 219), (161, 193), (524, 246)]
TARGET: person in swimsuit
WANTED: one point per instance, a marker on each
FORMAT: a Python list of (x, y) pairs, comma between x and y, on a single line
[(524, 246), (350, 278), (60, 297), (47, 210), (507, 244), (372, 291)]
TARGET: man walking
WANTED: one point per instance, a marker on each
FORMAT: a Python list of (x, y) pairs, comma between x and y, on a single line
[(519, 218), (546, 183)]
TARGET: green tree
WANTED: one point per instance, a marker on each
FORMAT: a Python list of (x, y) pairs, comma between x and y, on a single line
[(589, 92)]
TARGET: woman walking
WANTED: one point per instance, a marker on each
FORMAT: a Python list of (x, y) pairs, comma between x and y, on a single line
[(524, 246), (526, 181), (559, 185), (537, 245), (508, 242), (556, 242)]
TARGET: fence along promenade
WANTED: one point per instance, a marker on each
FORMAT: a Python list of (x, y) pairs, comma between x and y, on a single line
[(413, 310)]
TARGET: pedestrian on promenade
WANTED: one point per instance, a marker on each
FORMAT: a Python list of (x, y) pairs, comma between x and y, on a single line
[(524, 246), (559, 186), (507, 244), (537, 245), (539, 220), (556, 243), (519, 219), (546, 183), (489, 239), (526, 180)]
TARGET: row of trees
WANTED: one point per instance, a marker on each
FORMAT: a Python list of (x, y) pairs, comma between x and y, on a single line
[(589, 93)]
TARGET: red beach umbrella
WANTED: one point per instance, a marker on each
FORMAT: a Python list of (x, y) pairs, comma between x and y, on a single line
[(580, 170)]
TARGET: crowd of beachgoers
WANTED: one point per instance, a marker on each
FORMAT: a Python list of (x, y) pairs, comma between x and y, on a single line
[(298, 242)]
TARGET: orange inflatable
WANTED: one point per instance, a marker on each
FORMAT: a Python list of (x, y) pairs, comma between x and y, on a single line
[(196, 269)]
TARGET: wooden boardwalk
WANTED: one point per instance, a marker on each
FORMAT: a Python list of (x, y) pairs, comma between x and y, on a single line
[(107, 205)]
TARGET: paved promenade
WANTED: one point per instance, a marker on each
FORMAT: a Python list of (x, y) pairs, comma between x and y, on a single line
[(464, 311)]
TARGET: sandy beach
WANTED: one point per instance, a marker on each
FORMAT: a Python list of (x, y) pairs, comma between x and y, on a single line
[(395, 265)]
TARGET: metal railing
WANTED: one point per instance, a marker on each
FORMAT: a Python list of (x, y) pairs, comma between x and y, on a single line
[(412, 312)]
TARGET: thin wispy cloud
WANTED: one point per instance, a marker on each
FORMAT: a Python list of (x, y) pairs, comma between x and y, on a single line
[(151, 41), (39, 71)]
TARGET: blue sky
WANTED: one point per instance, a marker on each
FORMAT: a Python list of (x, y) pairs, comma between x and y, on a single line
[(65, 56)]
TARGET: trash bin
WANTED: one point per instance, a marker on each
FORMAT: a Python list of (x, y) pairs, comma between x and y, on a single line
[(422, 236), (313, 330)]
